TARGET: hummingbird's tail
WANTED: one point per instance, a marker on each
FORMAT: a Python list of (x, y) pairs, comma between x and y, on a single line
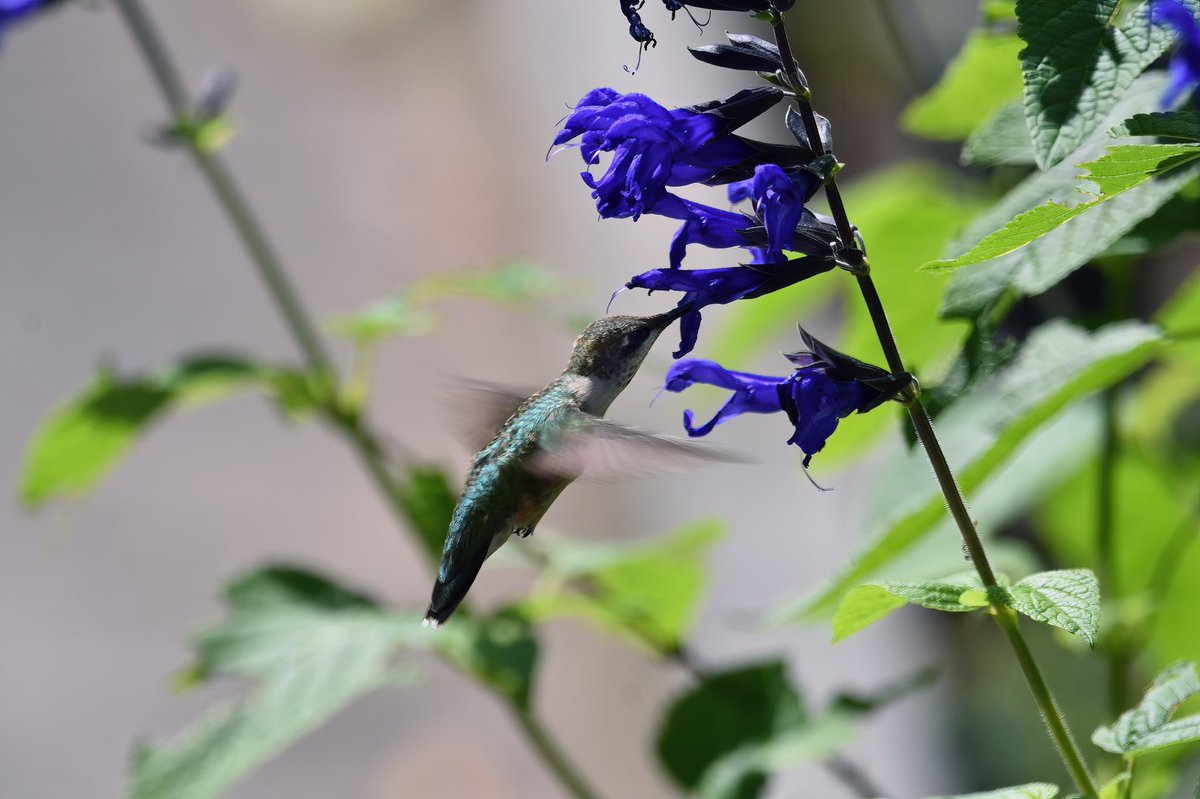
[(449, 593)]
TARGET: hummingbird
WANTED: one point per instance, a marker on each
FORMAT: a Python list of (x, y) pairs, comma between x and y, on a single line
[(540, 444)]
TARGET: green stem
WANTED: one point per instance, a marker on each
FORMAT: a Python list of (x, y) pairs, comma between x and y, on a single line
[(552, 757), (1005, 617), (271, 270)]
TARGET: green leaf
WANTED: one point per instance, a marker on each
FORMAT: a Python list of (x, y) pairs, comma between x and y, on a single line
[(1002, 139), (863, 606), (1038, 266), (1076, 66), (1123, 168), (1058, 366), (428, 501), (647, 592), (1181, 314), (1067, 598), (500, 650), (725, 714), (1184, 125), (981, 78), (1033, 790), (86, 437), (1147, 726), (310, 646), (392, 316)]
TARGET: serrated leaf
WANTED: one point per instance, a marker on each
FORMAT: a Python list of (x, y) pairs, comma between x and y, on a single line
[(1076, 66), (982, 77), (312, 648), (1184, 125), (1033, 790), (1123, 168), (725, 714), (84, 439), (867, 604), (1058, 365), (1147, 726), (647, 592), (1002, 139), (1040, 265), (1067, 598)]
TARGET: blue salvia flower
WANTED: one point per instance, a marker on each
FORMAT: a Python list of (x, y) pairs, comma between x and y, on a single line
[(826, 388), (13, 10), (652, 148), (1184, 71)]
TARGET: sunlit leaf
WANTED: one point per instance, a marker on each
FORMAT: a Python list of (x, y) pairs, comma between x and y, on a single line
[(1121, 169), (393, 316), (1148, 727), (512, 282), (1067, 598), (867, 604), (1077, 65)]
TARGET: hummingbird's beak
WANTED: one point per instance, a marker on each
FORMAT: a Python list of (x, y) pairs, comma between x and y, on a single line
[(661, 321)]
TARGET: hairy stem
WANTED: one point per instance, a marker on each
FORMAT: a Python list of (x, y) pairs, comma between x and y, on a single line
[(1005, 617), (274, 276)]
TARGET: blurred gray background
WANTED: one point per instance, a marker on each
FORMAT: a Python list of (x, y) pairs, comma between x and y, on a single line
[(381, 140)]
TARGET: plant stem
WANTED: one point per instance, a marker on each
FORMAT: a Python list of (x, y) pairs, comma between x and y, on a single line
[(273, 274), (551, 755), (1005, 617)]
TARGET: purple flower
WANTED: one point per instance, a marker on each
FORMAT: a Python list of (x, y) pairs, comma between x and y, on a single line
[(1184, 71), (778, 201), (13, 10), (652, 147), (826, 388), (703, 287)]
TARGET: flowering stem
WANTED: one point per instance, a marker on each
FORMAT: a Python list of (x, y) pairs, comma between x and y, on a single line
[(347, 420), (1004, 616)]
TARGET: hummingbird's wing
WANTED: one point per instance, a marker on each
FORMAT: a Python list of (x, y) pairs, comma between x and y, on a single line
[(577, 444), (478, 409)]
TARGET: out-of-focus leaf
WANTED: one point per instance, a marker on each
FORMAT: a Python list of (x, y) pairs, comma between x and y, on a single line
[(1179, 216), (86, 437), (514, 282), (500, 649), (725, 714), (1059, 365), (1184, 125), (1147, 727), (1076, 66), (1037, 266), (1033, 790), (1002, 139), (393, 316), (310, 646), (982, 77), (1121, 169), (428, 501), (1181, 314), (1067, 598), (648, 592), (867, 604)]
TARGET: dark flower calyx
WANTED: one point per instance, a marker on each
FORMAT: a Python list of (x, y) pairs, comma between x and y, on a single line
[(744, 52), (739, 108)]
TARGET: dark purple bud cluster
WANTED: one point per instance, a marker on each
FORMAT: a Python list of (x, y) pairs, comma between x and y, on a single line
[(655, 151)]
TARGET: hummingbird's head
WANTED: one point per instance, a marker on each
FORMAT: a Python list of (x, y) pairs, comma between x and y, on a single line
[(611, 349)]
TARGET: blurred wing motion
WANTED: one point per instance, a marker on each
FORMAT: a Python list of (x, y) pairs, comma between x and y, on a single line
[(580, 445), (476, 410)]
